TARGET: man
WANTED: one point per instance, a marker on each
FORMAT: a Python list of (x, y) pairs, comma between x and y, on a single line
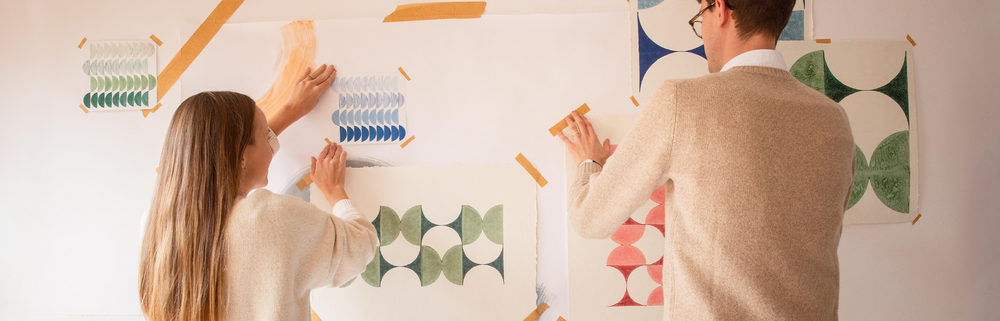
[(758, 169)]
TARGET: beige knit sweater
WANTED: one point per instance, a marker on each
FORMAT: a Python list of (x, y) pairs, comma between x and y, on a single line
[(280, 248), (758, 169)]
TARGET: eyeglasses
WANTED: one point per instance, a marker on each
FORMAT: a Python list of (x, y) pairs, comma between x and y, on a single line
[(696, 23)]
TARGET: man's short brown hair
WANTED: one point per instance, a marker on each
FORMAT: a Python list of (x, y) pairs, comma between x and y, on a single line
[(767, 17)]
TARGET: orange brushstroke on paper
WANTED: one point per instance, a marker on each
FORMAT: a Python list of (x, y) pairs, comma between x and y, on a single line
[(298, 53)]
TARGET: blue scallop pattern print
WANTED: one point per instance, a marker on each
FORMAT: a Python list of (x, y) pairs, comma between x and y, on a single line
[(368, 109)]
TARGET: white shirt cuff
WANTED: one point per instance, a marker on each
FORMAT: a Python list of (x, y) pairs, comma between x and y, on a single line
[(344, 207)]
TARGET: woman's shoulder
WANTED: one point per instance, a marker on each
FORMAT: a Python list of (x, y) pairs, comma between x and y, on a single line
[(263, 202)]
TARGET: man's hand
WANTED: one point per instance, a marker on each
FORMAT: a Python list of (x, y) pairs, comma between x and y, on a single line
[(328, 172), (585, 144)]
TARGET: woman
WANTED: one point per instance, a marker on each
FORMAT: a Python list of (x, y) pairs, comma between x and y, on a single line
[(215, 249)]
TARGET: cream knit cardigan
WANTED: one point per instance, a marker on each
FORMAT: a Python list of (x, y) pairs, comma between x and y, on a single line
[(280, 248), (758, 169)]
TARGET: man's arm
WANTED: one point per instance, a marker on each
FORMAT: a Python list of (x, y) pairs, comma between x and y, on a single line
[(601, 199)]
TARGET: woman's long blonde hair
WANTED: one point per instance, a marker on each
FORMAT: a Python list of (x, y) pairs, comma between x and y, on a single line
[(183, 250)]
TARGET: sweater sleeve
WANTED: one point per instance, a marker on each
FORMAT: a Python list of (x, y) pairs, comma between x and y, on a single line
[(354, 245), (328, 249), (602, 199)]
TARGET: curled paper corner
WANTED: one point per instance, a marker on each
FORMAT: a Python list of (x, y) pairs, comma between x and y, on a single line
[(582, 110)]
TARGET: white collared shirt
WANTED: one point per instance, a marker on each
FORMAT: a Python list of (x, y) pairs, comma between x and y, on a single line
[(761, 57)]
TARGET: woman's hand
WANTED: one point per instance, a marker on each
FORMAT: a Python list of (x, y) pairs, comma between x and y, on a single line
[(304, 97), (328, 172), (585, 145), (311, 84)]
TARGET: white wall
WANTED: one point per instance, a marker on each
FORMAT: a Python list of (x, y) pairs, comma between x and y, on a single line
[(73, 185)]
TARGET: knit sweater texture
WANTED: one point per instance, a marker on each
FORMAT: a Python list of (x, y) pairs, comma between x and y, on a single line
[(280, 247), (758, 170)]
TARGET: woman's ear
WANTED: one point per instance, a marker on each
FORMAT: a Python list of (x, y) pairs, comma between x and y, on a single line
[(243, 163)]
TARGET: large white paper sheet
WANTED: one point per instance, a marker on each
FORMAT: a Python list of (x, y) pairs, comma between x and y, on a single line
[(458, 243), (478, 88), (873, 82)]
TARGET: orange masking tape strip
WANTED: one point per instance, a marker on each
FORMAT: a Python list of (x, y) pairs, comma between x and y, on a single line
[(82, 42), (562, 123), (84, 109), (823, 41), (407, 142), (304, 182), (194, 45), (636, 102), (915, 220), (537, 313), (531, 170), (437, 10), (328, 142), (914, 43), (404, 73), (156, 40), (158, 105), (315, 317), (145, 112), (560, 319)]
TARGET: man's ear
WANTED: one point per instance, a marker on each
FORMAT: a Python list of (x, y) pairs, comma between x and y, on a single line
[(721, 12)]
